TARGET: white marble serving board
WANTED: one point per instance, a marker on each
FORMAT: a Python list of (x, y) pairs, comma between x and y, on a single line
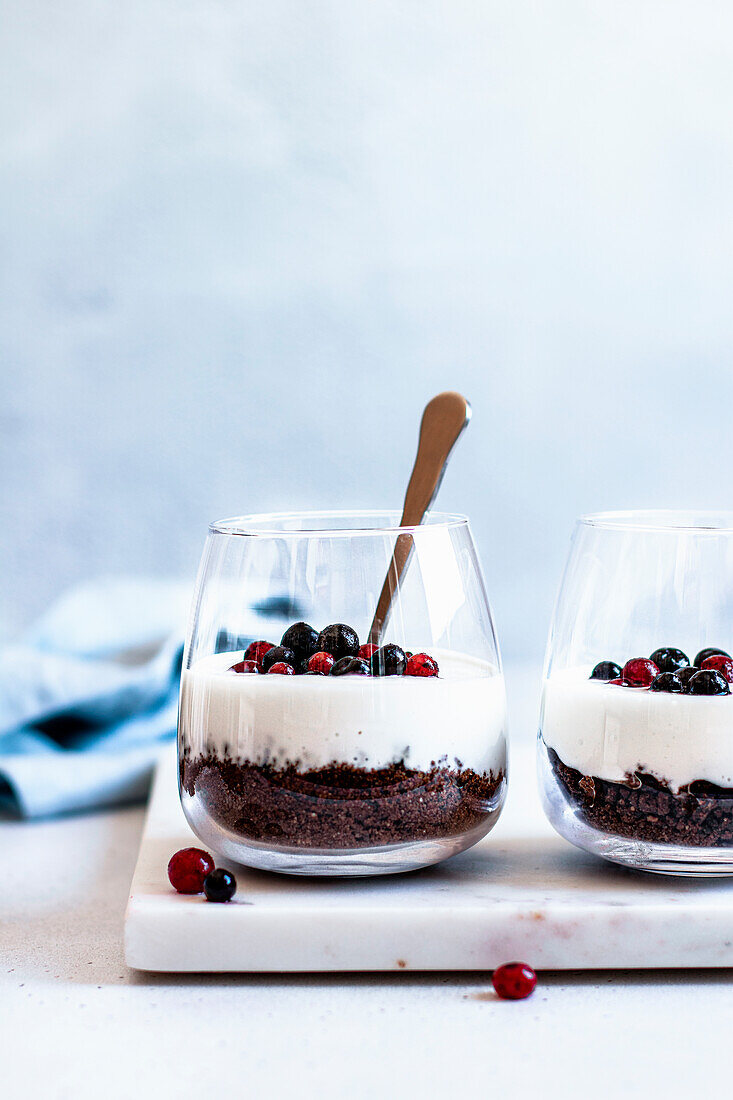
[(522, 893)]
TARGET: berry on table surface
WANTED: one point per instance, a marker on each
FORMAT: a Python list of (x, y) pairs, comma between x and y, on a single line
[(281, 668), (366, 650), (220, 885), (421, 664), (639, 672), (669, 660), (389, 660), (618, 682), (711, 651), (255, 651), (514, 981), (339, 640), (606, 670), (707, 682), (188, 868), (278, 654), (684, 674), (302, 638), (666, 681), (245, 666), (321, 662), (350, 666), (721, 664)]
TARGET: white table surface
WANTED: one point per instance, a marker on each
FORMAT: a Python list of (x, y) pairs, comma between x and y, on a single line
[(76, 1023)]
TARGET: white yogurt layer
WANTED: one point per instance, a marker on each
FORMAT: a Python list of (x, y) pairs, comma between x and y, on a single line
[(612, 732), (371, 722)]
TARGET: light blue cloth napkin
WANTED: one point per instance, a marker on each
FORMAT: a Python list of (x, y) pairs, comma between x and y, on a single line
[(91, 691)]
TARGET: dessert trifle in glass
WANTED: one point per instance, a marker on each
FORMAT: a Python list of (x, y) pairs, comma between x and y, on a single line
[(329, 746), (636, 730)]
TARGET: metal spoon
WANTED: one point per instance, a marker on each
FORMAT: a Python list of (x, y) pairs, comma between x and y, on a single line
[(443, 420)]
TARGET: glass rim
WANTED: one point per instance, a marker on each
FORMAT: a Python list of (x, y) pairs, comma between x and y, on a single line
[(271, 524), (662, 520)]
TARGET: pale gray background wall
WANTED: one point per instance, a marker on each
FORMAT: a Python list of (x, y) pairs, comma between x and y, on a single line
[(243, 242)]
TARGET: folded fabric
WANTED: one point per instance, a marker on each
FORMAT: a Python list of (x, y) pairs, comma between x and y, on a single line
[(91, 691)]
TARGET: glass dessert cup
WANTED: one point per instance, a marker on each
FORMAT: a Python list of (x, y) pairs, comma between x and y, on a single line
[(636, 759), (385, 767)]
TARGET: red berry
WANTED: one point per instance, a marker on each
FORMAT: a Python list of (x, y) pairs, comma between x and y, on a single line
[(514, 981), (619, 682), (421, 664), (720, 663), (255, 651), (188, 868), (281, 669), (639, 672), (321, 662), (366, 650), (245, 666)]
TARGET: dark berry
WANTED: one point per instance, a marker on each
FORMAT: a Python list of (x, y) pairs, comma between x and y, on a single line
[(606, 670), (618, 682), (220, 885), (277, 655), (188, 868), (421, 664), (350, 666), (639, 672), (366, 650), (339, 640), (390, 660), (255, 651), (302, 639), (322, 663), (666, 681), (721, 664), (669, 660), (684, 674), (711, 651), (707, 682), (245, 666), (514, 981), (281, 668)]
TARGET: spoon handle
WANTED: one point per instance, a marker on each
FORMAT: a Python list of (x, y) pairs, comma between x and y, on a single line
[(443, 420)]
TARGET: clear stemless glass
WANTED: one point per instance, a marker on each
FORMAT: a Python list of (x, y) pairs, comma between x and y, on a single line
[(636, 759), (350, 774)]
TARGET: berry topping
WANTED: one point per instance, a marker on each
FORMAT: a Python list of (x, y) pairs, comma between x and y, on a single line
[(669, 660), (366, 650), (322, 663), (281, 668), (339, 640), (721, 664), (421, 664), (245, 666), (278, 654), (711, 651), (666, 681), (606, 670), (188, 868), (514, 981), (255, 651), (350, 666), (707, 682), (684, 674), (302, 639), (220, 885), (390, 660), (639, 672), (618, 682)]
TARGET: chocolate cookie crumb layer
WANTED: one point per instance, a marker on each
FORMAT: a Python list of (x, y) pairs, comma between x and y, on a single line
[(700, 816), (340, 806)]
